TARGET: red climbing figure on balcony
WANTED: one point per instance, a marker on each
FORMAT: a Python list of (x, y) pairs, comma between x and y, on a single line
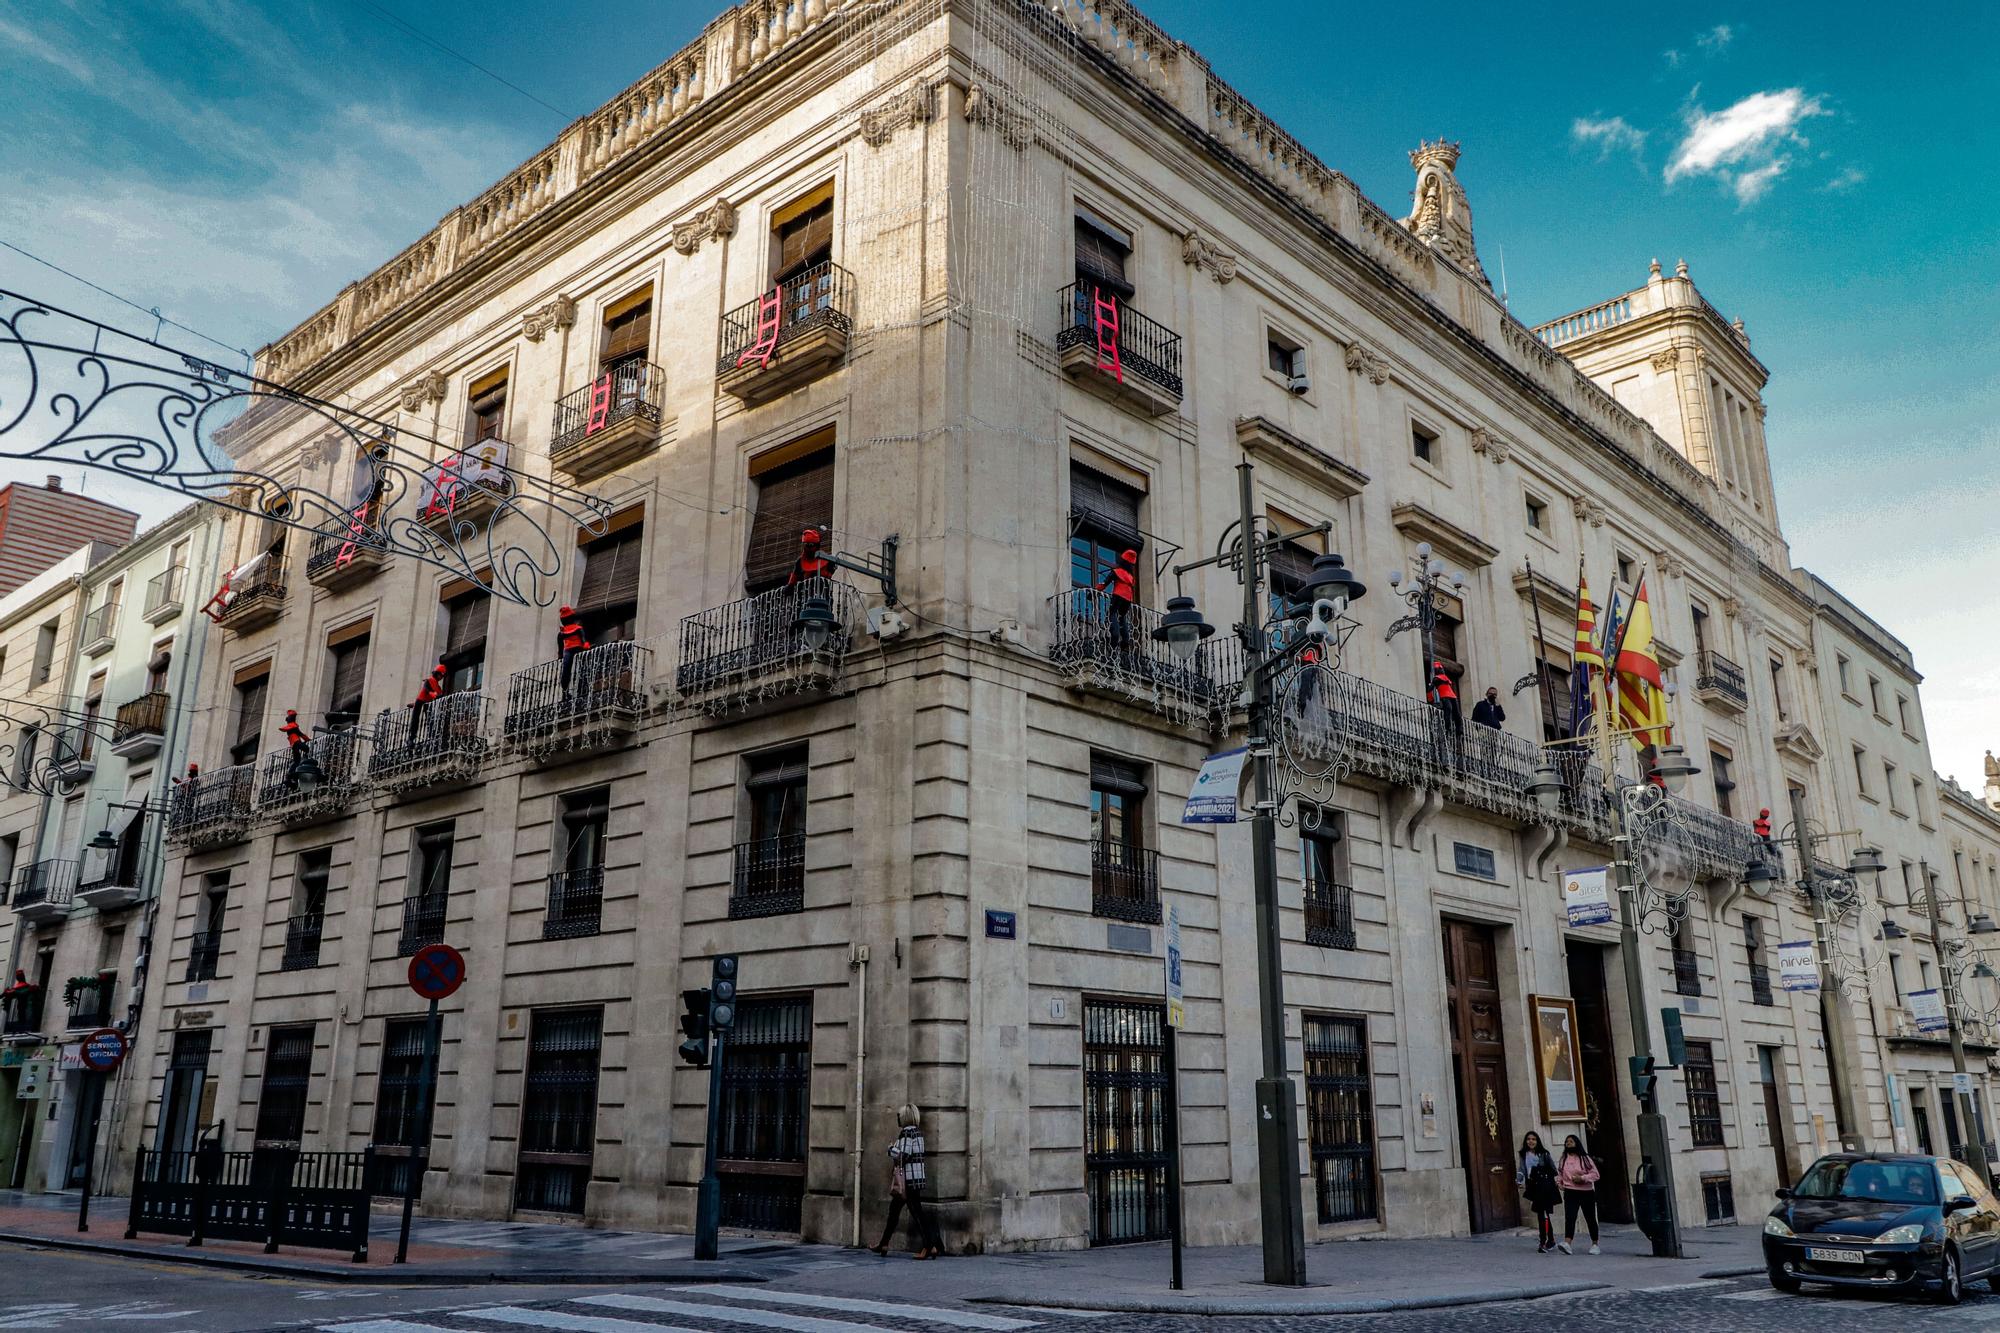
[(1106, 316), (810, 564), (770, 310)]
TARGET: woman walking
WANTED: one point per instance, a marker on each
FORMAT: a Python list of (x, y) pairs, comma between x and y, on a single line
[(1577, 1178), (1537, 1179), (906, 1188)]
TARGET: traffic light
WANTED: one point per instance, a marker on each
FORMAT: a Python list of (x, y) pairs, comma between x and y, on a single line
[(722, 993), (1677, 1047), (1643, 1076), (694, 1027)]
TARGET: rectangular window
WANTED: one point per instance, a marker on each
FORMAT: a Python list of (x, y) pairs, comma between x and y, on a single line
[(157, 666), (1778, 687), (1861, 770), (627, 331), (1718, 1198), (1124, 1120), (252, 694), (804, 240), (1423, 443), (1103, 255), (765, 1122), (303, 930), (397, 1093), (1444, 646), (559, 1109), (1903, 715), (205, 950), (1704, 1100), (1124, 876), (1282, 355), (1289, 570), (1626, 568), (24, 766), (347, 672), (487, 408), (1875, 696), (427, 898), (770, 871), (1889, 786), (281, 1102), (1845, 669), (45, 653), (1340, 1117), (607, 598), (1687, 963), (1917, 802), (1327, 882), (1721, 770), (1103, 524), (464, 653), (1537, 514), (187, 1096), (792, 496), (93, 706), (576, 880)]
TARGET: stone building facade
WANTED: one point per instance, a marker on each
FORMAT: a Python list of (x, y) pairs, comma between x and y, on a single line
[(997, 292)]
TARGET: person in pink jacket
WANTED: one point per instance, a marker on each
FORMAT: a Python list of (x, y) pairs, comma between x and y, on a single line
[(1577, 1177)]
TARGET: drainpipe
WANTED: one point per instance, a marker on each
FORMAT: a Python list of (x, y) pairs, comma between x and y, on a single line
[(860, 964)]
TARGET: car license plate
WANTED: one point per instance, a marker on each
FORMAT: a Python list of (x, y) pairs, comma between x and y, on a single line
[(1820, 1256)]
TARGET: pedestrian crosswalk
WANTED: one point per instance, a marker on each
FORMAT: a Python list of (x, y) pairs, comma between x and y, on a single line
[(720, 1308)]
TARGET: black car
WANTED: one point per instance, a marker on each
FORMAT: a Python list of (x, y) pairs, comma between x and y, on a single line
[(1888, 1222)]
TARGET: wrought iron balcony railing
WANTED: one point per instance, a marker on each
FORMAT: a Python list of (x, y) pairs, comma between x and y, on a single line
[(100, 629), (1760, 985), (143, 716), (213, 808), (596, 699), (1145, 346), (93, 1006), (576, 903), (253, 604), (339, 558), (1108, 642), (770, 876), (1124, 881), (752, 648), (302, 937), (166, 592), (628, 392), (45, 889), (1721, 680), (284, 795), (204, 953), (1687, 971), (821, 298), (444, 741), (21, 1011), (1329, 913), (423, 923)]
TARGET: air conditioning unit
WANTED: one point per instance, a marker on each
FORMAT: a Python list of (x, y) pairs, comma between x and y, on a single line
[(1299, 384)]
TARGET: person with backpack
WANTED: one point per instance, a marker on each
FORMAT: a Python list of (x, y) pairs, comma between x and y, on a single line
[(1577, 1177), (1537, 1178)]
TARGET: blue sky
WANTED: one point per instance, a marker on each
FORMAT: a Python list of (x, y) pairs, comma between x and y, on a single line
[(1825, 169)]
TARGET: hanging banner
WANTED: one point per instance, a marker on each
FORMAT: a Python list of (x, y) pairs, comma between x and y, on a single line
[(1176, 1009), (1213, 799), (1797, 968), (1927, 1007), (1587, 896)]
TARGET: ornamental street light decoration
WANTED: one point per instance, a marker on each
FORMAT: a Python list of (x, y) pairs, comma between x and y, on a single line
[(1956, 956), (77, 392), (1291, 656), (48, 750)]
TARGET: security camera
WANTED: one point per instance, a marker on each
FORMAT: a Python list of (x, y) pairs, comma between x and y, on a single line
[(1321, 623), (1299, 384)]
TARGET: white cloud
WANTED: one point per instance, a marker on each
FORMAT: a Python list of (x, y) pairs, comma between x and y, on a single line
[(1672, 57), (1743, 144), (1610, 136), (1715, 39), (1848, 178)]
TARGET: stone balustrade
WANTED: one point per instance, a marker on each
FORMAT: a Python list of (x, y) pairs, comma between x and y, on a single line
[(1140, 47), (507, 205), (1600, 316)]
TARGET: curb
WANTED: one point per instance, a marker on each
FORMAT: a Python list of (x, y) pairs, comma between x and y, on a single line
[(1227, 1305), (1755, 1270), (404, 1276)]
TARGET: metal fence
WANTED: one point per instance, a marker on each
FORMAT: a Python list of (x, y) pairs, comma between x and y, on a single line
[(45, 882), (263, 595), (753, 646), (1687, 971), (1329, 913), (165, 589), (632, 394), (1098, 634), (1340, 1117), (280, 1196), (1124, 1120), (343, 546), (601, 692), (147, 713), (820, 297), (101, 624), (576, 903), (423, 923), (282, 795), (766, 1114), (21, 1012), (445, 740), (769, 876), (1124, 881), (1719, 675), (1144, 345), (213, 808), (302, 939), (204, 954)]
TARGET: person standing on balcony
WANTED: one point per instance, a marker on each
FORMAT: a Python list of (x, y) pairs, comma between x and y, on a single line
[(570, 638), (1444, 698), (295, 738), (1488, 712), (428, 693), (907, 1179), (810, 564), (1121, 584)]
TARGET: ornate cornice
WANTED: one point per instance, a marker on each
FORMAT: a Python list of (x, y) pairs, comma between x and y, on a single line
[(422, 390), (1363, 360), (557, 314), (1667, 360), (982, 108), (1669, 564), (1264, 439), (1469, 550), (717, 221), (915, 105), (1199, 252)]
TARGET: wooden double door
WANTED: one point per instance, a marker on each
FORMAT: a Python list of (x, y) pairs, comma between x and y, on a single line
[(1479, 1071)]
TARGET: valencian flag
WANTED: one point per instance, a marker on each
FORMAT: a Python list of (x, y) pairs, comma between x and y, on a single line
[(1642, 702), (1585, 659)]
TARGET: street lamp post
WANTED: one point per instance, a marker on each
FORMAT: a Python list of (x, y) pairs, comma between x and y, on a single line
[(1968, 1122), (1323, 602)]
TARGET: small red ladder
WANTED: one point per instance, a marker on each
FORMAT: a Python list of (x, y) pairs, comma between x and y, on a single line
[(1107, 335), (768, 309)]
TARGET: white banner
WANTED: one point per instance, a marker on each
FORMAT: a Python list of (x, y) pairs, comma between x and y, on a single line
[(1797, 968), (1927, 1007), (1176, 1010), (1962, 1083), (1213, 799), (1587, 896)]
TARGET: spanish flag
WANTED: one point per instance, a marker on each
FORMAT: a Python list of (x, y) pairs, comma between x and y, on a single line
[(1642, 703), (1584, 660)]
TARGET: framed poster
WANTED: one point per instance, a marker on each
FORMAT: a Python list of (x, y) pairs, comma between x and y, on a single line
[(1558, 1062)]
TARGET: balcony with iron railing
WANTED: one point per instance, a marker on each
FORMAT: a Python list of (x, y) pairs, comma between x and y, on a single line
[(91, 1006), (44, 891), (423, 923), (1116, 351), (212, 809), (109, 879), (253, 605), (1687, 971), (592, 702), (752, 649), (609, 422), (204, 955), (139, 727), (100, 631), (21, 1013), (1329, 913), (166, 594), (769, 877), (1720, 681), (291, 793), (443, 743), (344, 557), (576, 903), (1124, 881), (792, 334), (302, 939), (467, 487), (1107, 644), (1760, 985)]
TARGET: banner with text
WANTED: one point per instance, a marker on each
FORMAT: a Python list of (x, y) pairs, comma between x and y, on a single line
[(1213, 799), (1587, 896), (1797, 968), (1927, 1007)]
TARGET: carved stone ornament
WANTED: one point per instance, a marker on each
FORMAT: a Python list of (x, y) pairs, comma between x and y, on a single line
[(1669, 564), (717, 221), (982, 108), (1442, 216), (1666, 361), (915, 105), (425, 389), (1364, 361), (557, 314), (1588, 510), (1808, 660), (1490, 446), (1732, 607), (1759, 408), (1202, 253)]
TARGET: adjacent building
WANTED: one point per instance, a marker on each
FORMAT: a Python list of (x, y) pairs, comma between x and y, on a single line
[(41, 525)]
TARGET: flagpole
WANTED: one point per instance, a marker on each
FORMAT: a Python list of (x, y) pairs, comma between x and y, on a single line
[(1541, 648)]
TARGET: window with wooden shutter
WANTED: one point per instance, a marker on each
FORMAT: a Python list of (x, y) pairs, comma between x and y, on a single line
[(1101, 254), (251, 696), (350, 671), (1103, 524), (804, 241), (607, 600), (464, 651), (489, 411), (626, 333), (790, 499)]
